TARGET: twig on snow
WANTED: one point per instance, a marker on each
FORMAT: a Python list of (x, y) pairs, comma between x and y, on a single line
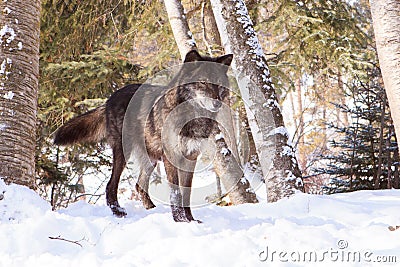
[(66, 240)]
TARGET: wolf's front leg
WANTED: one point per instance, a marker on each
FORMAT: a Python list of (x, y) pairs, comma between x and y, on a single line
[(178, 212), (185, 184)]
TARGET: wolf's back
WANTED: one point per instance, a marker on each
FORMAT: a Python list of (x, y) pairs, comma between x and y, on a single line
[(89, 127)]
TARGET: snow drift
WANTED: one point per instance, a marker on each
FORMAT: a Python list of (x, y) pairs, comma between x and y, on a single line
[(339, 230)]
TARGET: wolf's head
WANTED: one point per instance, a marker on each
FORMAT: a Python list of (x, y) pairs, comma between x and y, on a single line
[(203, 80)]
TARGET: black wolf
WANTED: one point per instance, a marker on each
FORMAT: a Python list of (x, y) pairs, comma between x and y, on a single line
[(190, 83)]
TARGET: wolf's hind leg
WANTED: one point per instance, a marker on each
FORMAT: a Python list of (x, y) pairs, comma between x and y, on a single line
[(112, 185), (142, 186)]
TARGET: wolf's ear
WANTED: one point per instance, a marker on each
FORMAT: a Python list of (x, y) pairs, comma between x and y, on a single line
[(225, 59), (192, 56)]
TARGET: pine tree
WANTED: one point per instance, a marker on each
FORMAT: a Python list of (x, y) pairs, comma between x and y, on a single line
[(88, 50), (366, 153)]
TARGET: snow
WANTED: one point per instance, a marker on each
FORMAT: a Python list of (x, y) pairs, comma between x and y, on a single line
[(224, 151), (9, 31), (271, 103), (287, 151), (3, 67), (285, 233), (279, 130), (3, 127), (9, 95), (252, 40), (219, 136), (191, 42), (6, 10)]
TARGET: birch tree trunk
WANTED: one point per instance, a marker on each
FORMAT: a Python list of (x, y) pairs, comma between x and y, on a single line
[(19, 73), (180, 28), (386, 22), (281, 171), (227, 167)]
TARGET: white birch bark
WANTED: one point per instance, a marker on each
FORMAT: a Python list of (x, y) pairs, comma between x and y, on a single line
[(180, 28), (386, 22)]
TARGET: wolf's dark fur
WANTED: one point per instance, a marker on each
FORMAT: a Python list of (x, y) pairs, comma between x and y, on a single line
[(88, 127), (107, 121)]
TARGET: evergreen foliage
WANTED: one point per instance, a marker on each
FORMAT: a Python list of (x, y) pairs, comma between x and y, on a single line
[(314, 48), (316, 37), (91, 48), (88, 50), (366, 152)]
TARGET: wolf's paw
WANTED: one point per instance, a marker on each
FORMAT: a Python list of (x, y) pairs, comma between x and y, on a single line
[(148, 204), (180, 219), (188, 214), (145, 198), (118, 211), (179, 214)]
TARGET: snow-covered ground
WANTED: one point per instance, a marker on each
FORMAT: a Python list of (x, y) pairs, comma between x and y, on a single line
[(304, 230)]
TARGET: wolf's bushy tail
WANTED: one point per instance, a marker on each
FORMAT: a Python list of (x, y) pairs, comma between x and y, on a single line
[(89, 127)]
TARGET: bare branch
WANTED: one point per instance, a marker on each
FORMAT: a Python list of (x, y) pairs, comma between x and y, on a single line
[(66, 240)]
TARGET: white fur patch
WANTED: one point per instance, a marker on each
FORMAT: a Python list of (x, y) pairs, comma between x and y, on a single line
[(190, 145)]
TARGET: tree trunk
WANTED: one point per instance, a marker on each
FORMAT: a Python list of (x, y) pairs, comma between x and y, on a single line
[(379, 170), (209, 28), (396, 176), (300, 129), (180, 28), (386, 22), (225, 167), (19, 73), (342, 97), (281, 171)]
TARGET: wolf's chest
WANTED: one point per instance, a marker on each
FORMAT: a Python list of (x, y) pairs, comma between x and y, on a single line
[(190, 145)]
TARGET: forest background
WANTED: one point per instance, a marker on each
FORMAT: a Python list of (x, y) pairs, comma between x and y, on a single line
[(323, 63)]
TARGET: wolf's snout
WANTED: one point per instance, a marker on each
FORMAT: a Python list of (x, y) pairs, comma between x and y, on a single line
[(212, 105)]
